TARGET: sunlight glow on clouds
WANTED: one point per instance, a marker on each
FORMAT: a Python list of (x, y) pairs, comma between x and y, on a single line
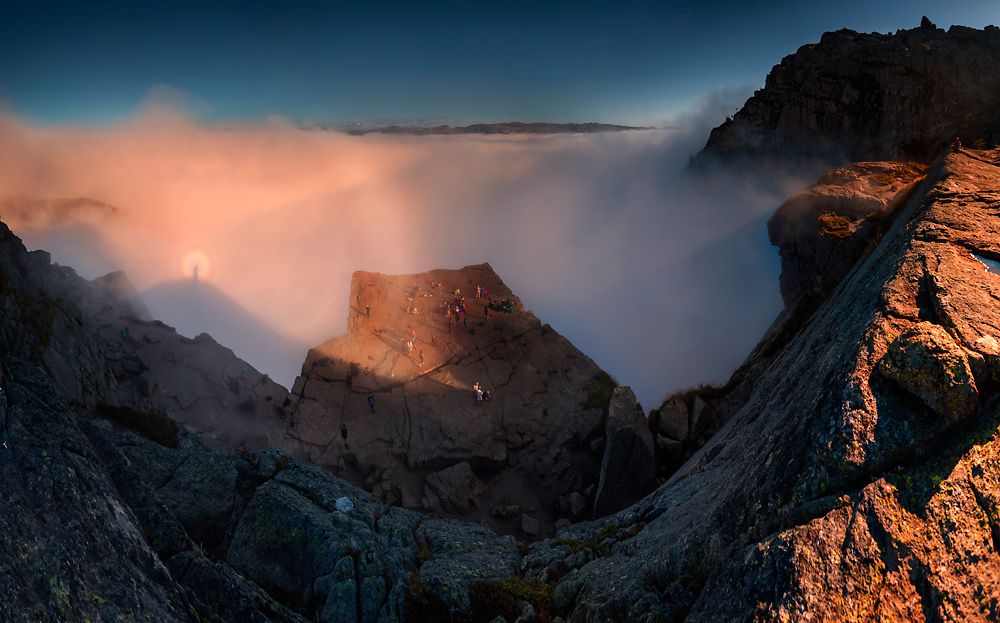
[(665, 282)]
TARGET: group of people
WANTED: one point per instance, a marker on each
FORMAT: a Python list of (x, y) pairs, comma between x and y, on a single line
[(480, 394), (455, 312), (409, 344), (506, 305)]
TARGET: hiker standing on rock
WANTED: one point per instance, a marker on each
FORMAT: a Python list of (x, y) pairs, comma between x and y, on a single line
[(343, 433), (421, 359), (434, 339), (371, 402)]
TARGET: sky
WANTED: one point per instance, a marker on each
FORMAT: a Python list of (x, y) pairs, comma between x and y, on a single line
[(184, 117), (638, 63)]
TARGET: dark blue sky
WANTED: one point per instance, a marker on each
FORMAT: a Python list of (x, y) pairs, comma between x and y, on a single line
[(634, 63)]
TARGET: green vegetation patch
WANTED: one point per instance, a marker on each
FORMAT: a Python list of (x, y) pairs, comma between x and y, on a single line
[(425, 553), (601, 388), (835, 225), (152, 426), (422, 604), (599, 543), (488, 600), (704, 391), (535, 593)]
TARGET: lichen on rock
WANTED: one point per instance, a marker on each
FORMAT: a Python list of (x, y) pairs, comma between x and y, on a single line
[(926, 361)]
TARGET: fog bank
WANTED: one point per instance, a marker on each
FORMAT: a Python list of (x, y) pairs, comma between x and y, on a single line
[(663, 281)]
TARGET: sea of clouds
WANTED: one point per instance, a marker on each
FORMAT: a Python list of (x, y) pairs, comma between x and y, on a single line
[(665, 279)]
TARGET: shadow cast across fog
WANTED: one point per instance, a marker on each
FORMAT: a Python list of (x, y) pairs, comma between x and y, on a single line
[(600, 235), (192, 308)]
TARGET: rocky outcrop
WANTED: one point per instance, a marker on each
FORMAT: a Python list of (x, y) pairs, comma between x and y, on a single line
[(451, 490), (859, 478), (855, 96), (627, 468), (528, 443), (822, 231), (846, 487)]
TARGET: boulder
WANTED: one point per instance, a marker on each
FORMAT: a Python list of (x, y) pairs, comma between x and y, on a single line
[(529, 525), (673, 420), (822, 231), (700, 415), (925, 360), (454, 488), (147, 383), (627, 469), (671, 449)]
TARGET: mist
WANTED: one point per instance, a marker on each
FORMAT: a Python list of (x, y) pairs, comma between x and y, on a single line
[(663, 279)]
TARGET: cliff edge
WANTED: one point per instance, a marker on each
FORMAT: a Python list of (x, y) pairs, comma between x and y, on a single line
[(869, 96)]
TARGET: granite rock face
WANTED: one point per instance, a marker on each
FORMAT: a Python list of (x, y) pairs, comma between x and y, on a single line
[(453, 489), (926, 361), (856, 96), (627, 468), (529, 442), (822, 231), (836, 493)]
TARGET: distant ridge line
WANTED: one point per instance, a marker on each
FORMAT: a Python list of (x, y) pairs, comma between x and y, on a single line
[(513, 127)]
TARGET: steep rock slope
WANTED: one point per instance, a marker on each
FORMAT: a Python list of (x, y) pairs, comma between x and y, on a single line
[(822, 231), (861, 480), (525, 445), (856, 96)]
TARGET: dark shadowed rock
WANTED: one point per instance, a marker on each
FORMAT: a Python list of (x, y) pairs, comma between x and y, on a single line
[(869, 96), (627, 469), (674, 420), (452, 489)]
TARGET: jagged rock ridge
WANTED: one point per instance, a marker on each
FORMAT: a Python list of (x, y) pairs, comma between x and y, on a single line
[(861, 479), (509, 128), (857, 96)]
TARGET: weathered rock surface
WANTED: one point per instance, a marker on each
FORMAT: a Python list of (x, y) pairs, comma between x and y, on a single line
[(856, 96), (926, 361), (528, 442), (858, 480), (834, 493), (71, 547), (453, 489), (627, 468), (673, 419), (822, 231)]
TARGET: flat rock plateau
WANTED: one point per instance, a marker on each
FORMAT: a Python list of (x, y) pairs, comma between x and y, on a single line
[(849, 470)]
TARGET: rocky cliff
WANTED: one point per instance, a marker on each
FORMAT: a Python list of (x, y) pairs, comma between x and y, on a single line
[(858, 480), (868, 96), (402, 381)]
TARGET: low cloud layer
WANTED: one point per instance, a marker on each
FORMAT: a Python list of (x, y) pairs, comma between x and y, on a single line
[(664, 281)]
